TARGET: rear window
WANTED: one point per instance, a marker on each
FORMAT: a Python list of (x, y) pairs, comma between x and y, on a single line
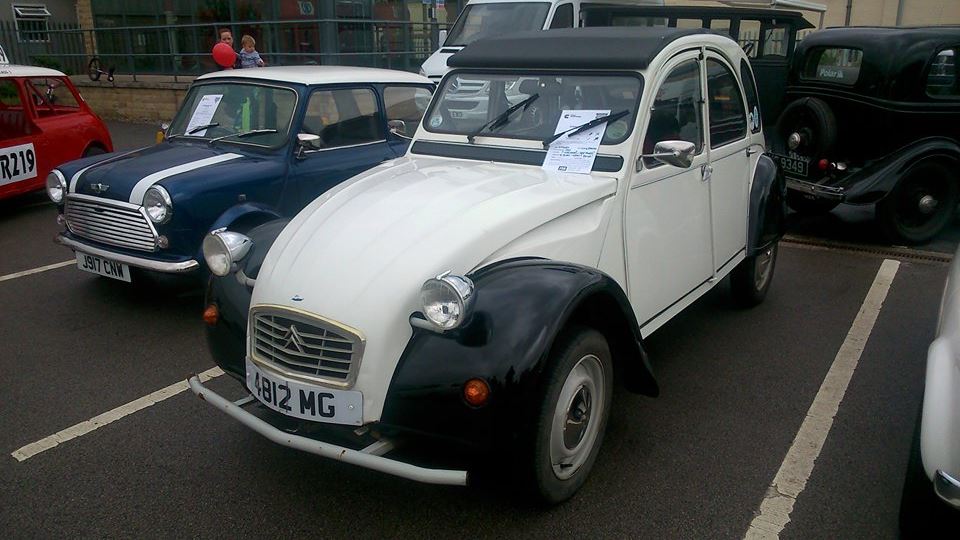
[(836, 65), (942, 80)]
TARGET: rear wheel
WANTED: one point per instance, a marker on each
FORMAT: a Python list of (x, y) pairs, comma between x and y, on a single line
[(572, 416), (921, 205), (751, 279)]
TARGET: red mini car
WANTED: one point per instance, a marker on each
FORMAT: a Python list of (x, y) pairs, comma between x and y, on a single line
[(43, 123)]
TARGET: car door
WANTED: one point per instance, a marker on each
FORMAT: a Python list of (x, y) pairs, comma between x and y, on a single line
[(729, 168), (352, 139), (667, 222)]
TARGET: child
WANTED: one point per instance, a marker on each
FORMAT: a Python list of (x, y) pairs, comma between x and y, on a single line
[(249, 57)]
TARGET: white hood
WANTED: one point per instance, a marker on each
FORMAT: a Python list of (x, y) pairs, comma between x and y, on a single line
[(359, 254)]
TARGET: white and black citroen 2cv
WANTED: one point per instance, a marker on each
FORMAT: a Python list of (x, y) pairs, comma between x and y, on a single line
[(484, 290)]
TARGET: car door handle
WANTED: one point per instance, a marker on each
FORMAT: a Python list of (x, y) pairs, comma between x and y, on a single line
[(706, 172)]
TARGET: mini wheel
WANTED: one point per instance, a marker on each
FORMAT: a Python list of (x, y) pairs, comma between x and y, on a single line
[(921, 205), (573, 414), (751, 279)]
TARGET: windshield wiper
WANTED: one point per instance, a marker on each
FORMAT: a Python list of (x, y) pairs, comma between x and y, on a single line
[(194, 130), (584, 127), (243, 134), (503, 118)]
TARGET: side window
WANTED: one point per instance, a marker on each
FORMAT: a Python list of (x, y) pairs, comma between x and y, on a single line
[(728, 121), (342, 117), (405, 107), (749, 37), (13, 119), (676, 113), (753, 103), (837, 65), (52, 96), (721, 25), (942, 79), (563, 17)]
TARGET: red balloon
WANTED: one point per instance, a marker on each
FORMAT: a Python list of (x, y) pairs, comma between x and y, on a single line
[(224, 55)]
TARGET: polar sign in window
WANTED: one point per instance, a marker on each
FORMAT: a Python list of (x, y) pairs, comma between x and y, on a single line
[(837, 65)]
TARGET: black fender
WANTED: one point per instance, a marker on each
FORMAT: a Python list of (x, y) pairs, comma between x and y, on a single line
[(521, 306), (875, 181), (227, 339), (768, 206)]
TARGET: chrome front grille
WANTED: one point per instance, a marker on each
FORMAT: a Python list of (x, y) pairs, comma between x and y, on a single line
[(305, 346), (110, 222)]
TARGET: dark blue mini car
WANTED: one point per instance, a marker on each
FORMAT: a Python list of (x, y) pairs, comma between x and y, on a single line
[(246, 147)]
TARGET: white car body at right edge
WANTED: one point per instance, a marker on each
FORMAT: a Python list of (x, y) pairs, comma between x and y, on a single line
[(467, 295)]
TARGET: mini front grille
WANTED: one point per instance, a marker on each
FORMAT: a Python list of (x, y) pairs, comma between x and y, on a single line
[(300, 344), (113, 224)]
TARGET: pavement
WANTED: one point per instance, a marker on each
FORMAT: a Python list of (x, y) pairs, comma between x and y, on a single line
[(696, 462)]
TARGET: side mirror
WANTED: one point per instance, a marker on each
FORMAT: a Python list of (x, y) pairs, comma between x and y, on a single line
[(442, 39), (305, 141), (676, 153), (398, 128)]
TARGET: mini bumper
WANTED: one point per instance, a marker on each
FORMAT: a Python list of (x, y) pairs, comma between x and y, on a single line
[(370, 457), (829, 193), (148, 264)]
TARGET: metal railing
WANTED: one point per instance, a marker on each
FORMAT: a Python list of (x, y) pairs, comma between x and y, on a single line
[(185, 49)]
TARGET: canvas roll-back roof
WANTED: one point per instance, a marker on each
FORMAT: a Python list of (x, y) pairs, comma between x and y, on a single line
[(572, 48)]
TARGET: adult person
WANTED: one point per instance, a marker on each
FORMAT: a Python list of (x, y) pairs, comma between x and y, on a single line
[(226, 36)]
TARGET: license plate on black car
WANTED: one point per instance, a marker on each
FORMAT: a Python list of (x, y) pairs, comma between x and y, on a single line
[(793, 166)]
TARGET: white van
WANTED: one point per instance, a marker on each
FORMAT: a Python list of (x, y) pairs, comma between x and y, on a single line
[(488, 18)]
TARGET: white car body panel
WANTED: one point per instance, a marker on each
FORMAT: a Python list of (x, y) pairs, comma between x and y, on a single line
[(940, 422), (368, 254)]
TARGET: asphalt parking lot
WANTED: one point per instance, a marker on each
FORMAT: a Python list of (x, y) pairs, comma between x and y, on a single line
[(697, 462)]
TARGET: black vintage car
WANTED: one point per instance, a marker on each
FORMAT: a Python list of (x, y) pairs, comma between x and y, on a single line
[(872, 116)]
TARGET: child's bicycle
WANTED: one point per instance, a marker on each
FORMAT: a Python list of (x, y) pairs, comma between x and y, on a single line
[(94, 71)]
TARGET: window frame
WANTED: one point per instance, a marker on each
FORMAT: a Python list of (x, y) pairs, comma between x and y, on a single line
[(380, 115), (652, 163), (39, 14), (556, 10)]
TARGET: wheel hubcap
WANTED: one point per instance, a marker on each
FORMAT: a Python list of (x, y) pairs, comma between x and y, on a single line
[(927, 204), (576, 424)]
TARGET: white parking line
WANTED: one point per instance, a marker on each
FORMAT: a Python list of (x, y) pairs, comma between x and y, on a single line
[(37, 270), (791, 479), (101, 420)]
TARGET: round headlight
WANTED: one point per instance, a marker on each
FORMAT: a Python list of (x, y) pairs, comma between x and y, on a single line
[(56, 186), (222, 249), (157, 203), (446, 300)]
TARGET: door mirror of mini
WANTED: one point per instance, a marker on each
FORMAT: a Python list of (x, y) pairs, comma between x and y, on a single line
[(306, 141), (676, 153), (398, 128)]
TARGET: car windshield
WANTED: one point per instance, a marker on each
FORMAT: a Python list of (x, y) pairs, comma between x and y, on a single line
[(241, 113), (488, 20), (474, 104)]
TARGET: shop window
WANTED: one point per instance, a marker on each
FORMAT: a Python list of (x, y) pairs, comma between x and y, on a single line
[(31, 22)]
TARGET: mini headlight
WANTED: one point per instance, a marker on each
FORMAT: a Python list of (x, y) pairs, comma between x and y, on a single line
[(446, 300), (222, 249), (56, 186), (157, 203)]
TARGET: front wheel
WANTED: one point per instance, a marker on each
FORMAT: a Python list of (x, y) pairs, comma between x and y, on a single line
[(751, 279), (921, 205), (573, 414)]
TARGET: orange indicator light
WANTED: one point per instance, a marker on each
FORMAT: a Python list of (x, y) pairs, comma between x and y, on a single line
[(476, 392), (211, 315)]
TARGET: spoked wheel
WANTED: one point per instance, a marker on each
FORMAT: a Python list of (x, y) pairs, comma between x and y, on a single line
[(573, 414), (921, 205), (93, 69), (751, 279)]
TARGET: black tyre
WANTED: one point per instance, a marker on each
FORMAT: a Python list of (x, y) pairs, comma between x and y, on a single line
[(93, 69), (572, 416), (813, 120), (921, 205), (93, 150), (750, 280), (800, 204)]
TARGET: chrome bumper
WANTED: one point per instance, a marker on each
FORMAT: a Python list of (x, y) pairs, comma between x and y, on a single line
[(830, 193), (947, 488), (148, 264), (370, 457)]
